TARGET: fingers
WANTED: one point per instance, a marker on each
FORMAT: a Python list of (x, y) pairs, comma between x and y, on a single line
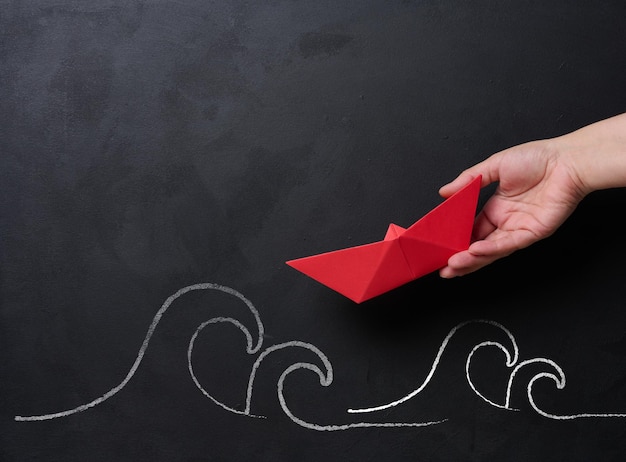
[(484, 252), (455, 185), (464, 263), (488, 168), (479, 255)]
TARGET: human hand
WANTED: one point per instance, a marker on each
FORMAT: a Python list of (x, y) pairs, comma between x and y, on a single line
[(538, 188), (540, 183)]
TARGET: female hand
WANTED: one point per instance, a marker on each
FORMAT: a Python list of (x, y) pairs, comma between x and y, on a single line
[(540, 183)]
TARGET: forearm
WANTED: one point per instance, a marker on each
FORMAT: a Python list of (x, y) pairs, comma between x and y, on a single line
[(596, 153)]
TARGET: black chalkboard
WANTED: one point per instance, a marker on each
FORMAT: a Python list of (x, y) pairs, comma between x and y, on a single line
[(159, 163)]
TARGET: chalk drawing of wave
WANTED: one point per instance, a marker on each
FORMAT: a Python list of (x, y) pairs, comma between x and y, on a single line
[(254, 344), (511, 353), (324, 370)]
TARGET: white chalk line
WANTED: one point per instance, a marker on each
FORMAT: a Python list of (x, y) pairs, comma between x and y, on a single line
[(241, 327), (251, 348), (327, 377), (325, 380), (559, 380), (511, 360), (144, 346), (509, 363)]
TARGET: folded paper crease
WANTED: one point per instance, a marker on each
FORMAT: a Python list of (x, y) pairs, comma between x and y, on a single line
[(405, 254)]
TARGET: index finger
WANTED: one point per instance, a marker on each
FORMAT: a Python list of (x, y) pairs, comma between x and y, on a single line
[(488, 168)]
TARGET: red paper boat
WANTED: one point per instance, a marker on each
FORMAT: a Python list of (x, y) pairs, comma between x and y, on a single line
[(365, 271)]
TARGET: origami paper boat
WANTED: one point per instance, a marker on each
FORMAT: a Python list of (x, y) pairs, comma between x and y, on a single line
[(366, 271)]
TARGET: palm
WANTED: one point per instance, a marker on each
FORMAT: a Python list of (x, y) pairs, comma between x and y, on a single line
[(535, 195)]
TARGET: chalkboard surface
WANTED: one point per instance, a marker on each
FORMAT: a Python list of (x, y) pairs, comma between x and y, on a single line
[(159, 163)]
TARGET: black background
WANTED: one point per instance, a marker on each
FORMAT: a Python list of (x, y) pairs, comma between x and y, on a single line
[(147, 146)]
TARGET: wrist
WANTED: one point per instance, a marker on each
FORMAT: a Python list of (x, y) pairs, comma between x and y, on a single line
[(595, 155)]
